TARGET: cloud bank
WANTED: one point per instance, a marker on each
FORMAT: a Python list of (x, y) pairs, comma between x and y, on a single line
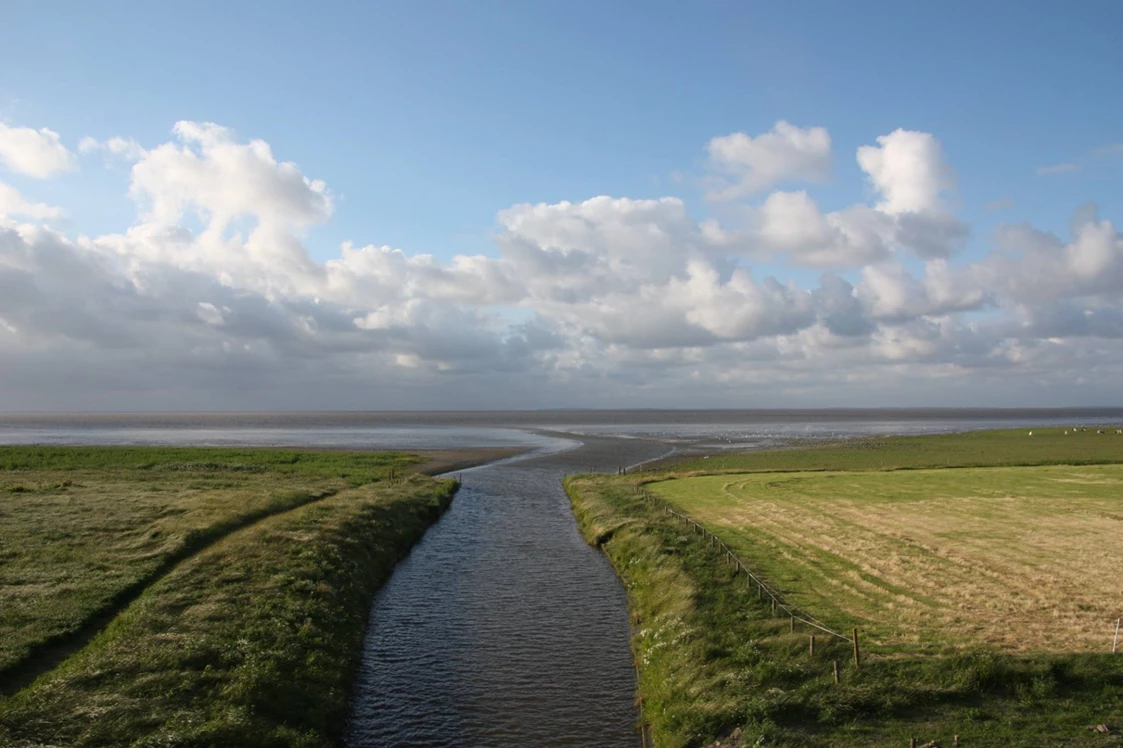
[(210, 299)]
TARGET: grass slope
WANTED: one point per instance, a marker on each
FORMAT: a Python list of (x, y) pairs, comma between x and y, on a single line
[(713, 659), (82, 530), (251, 642)]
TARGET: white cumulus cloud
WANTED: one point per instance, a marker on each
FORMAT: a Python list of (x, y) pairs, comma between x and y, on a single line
[(211, 298), (124, 148), (786, 153), (34, 153), (908, 169), (13, 203), (209, 172)]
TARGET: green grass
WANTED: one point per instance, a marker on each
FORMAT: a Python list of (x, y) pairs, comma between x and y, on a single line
[(252, 642), (355, 468), (712, 658), (84, 529), (972, 449)]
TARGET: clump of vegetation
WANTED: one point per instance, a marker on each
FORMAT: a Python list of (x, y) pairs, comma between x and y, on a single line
[(251, 642), (35, 487), (715, 661)]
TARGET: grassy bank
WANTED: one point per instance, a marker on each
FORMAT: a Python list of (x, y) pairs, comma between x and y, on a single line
[(83, 530), (713, 659), (253, 641)]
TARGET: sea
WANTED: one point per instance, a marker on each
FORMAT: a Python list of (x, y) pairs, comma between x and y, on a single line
[(687, 430)]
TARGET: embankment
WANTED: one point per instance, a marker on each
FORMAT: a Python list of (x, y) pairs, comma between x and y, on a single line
[(252, 642), (715, 662)]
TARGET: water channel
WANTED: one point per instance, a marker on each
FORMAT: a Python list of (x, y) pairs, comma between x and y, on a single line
[(503, 627)]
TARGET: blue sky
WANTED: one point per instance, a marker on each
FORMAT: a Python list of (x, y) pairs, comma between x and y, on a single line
[(427, 122), (428, 117)]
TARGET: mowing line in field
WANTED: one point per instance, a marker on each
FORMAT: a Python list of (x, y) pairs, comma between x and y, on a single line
[(1017, 558)]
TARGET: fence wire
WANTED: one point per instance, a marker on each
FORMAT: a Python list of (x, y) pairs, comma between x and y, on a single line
[(739, 565)]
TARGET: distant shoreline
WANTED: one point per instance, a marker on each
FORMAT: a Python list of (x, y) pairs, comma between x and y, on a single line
[(539, 418)]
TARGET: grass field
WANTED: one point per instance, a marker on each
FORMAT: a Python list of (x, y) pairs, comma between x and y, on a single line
[(988, 593), (252, 642), (1013, 558), (193, 596), (82, 529), (1050, 446)]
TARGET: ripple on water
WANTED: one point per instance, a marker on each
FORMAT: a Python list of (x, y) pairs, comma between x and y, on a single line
[(503, 627)]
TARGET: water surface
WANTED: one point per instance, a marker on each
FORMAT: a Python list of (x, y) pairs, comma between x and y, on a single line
[(446, 430), (503, 627)]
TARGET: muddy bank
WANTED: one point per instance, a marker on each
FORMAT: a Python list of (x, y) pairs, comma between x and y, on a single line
[(438, 461)]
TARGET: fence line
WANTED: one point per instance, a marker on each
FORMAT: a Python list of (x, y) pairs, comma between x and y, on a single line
[(731, 558)]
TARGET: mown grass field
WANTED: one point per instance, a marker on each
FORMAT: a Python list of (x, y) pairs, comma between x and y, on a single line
[(1013, 558), (226, 591), (986, 595)]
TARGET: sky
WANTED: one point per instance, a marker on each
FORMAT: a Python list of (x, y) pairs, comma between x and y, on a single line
[(448, 205)]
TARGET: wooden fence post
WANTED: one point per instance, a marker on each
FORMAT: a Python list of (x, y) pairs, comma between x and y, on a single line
[(857, 651), (812, 648), (837, 676), (1115, 642)]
